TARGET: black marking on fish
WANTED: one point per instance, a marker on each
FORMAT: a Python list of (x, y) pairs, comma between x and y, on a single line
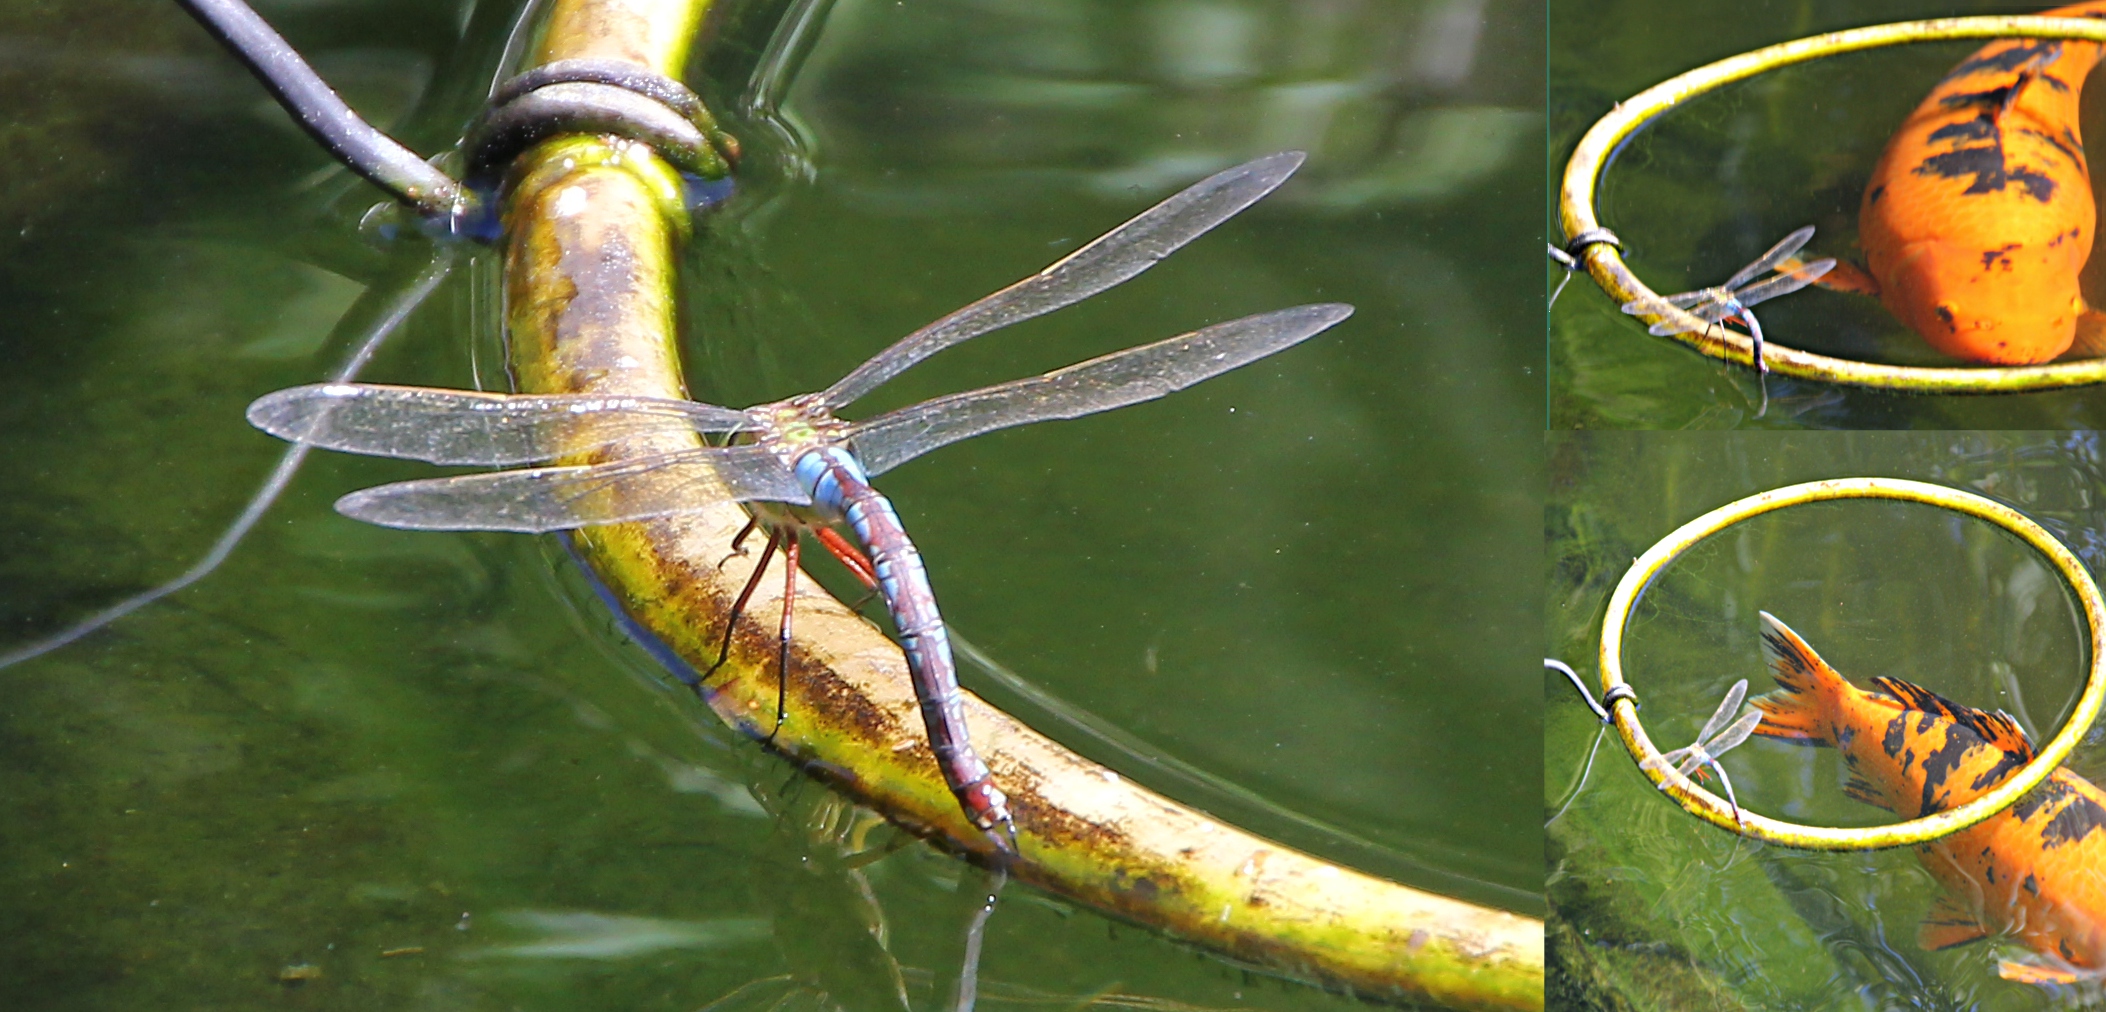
[(1858, 789), (2074, 822), (2004, 61), (1925, 722), (1945, 316), (2032, 884), (1986, 165), (2063, 944), (1989, 871), (2070, 137), (1843, 738), (2053, 82), (1990, 258), (2046, 794), (1939, 765), (1980, 128), (2074, 158), (1993, 98), (1995, 774), (1897, 735)]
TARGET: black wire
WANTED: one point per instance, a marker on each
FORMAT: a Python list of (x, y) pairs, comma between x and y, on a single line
[(319, 111)]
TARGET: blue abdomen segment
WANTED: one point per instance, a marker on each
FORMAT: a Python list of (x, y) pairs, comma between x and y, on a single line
[(839, 486)]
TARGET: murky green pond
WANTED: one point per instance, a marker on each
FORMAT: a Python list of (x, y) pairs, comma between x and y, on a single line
[(1713, 183), (361, 768), (1667, 912)]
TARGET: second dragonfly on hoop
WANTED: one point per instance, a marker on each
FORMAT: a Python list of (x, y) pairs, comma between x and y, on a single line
[(799, 465), (1731, 301)]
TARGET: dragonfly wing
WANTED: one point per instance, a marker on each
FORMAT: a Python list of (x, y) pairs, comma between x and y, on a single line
[(1768, 261), (466, 427), (1784, 284), (560, 498), (1727, 707), (1100, 384), (1668, 760), (1736, 734), (1110, 259)]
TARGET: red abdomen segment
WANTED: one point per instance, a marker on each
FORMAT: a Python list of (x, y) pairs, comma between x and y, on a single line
[(1979, 215)]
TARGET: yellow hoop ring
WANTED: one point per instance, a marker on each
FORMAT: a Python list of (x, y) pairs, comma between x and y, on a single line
[(1606, 266), (1709, 807)]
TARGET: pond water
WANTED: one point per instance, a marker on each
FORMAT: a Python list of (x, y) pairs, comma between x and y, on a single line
[(1710, 185), (1666, 912), (363, 768)]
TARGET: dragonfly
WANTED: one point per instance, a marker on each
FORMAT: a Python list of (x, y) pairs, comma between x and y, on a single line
[(798, 466), (1716, 739), (1732, 300)]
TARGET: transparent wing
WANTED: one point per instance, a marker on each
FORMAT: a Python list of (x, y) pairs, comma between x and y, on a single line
[(1784, 284), (1100, 384), (1735, 734), (1705, 304), (1111, 258), (1666, 759), (465, 427), (559, 498), (1727, 707), (1768, 261)]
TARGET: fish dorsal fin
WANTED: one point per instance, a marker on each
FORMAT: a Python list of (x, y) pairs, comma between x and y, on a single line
[(1949, 924), (1997, 729)]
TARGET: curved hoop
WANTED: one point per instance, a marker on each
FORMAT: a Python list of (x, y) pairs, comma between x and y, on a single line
[(1709, 807), (1605, 263)]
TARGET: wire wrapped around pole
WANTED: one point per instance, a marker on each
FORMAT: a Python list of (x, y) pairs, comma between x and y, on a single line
[(317, 108)]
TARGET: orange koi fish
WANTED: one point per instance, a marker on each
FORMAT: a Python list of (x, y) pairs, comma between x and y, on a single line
[(2036, 871), (1979, 214)]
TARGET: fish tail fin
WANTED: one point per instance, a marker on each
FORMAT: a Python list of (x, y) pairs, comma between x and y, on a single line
[(1796, 713), (1849, 277), (2091, 336)]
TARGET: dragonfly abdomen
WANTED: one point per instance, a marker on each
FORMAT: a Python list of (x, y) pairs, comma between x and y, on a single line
[(838, 483)]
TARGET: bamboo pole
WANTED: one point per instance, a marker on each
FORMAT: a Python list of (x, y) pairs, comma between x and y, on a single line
[(591, 229)]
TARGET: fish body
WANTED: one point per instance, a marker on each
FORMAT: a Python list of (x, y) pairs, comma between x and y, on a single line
[(1979, 214), (2036, 871)]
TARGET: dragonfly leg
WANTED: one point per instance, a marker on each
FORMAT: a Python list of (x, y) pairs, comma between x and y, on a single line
[(851, 556), (738, 542), (790, 552), (738, 607)]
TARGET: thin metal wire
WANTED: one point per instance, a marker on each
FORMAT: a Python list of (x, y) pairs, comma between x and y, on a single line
[(319, 111)]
